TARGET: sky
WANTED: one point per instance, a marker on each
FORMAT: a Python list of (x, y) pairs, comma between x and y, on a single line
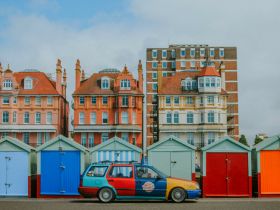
[(112, 33)]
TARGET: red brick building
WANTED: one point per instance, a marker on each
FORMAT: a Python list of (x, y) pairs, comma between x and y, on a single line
[(107, 104), (33, 106), (191, 58)]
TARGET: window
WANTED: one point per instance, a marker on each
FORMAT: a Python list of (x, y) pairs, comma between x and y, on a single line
[(84, 139), (97, 171), (189, 117), (202, 52), (194, 84), (39, 139), (14, 117), (124, 117), (133, 101), (201, 100), (212, 52), (202, 63), (121, 172), (125, 136), (192, 52), (105, 100), (221, 52), (167, 100), (125, 84), (211, 137), (104, 83), (168, 117), (207, 82), (201, 82), (154, 97), (192, 64), (211, 118), (104, 137), (164, 64), (133, 138), (50, 100), (37, 100), (93, 118), (26, 138), (28, 83), (189, 100), (183, 52), (134, 118), (47, 137), (183, 64), (26, 100), (154, 75), (26, 117), (49, 118), (145, 172), (124, 100), (116, 117), (219, 117), (5, 117), (189, 85), (154, 65), (81, 118), (154, 86), (93, 100), (38, 118), (90, 140), (164, 53), (213, 82), (82, 100), (210, 99), (7, 84), (173, 53), (190, 138), (218, 82), (15, 100), (202, 117), (173, 64), (164, 74), (104, 117), (6, 100), (154, 54), (176, 100), (176, 117)]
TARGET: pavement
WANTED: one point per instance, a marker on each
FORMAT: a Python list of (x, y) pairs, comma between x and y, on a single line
[(84, 204)]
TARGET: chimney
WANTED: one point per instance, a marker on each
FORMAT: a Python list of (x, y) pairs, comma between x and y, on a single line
[(78, 74), (159, 76), (64, 82), (1, 71), (83, 75), (140, 76), (223, 75), (58, 76)]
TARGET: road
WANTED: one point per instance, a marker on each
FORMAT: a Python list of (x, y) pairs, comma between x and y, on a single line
[(84, 204)]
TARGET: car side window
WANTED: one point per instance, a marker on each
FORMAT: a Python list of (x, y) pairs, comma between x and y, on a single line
[(121, 172), (146, 172), (97, 171)]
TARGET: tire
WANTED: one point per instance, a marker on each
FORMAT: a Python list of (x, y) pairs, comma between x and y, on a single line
[(106, 195), (178, 195)]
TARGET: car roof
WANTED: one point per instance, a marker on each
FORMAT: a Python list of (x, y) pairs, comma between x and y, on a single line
[(123, 163)]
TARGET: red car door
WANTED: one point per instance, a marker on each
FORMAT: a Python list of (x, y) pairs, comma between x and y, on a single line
[(121, 177)]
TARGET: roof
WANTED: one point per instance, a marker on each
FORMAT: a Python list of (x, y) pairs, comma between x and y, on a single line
[(27, 128), (209, 71), (172, 138), (42, 85), (64, 139), (92, 85), (227, 138), (171, 85), (267, 142), (17, 143), (117, 140)]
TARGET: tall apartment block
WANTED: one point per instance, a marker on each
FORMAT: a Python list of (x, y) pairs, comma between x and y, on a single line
[(33, 106), (190, 58), (107, 104)]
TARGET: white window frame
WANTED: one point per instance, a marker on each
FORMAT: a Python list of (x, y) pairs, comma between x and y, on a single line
[(211, 51), (27, 100), (105, 118), (37, 118), (164, 52), (202, 52), (154, 53), (84, 139), (105, 83), (28, 83), (125, 118), (4, 100), (183, 64), (176, 118), (182, 52), (93, 100), (49, 100), (125, 136), (104, 137), (38, 100), (125, 84), (154, 64), (49, 118), (81, 118), (90, 140), (103, 100), (14, 117), (7, 84), (81, 100), (164, 64), (5, 117), (93, 118), (221, 52), (26, 118), (192, 55), (169, 118)]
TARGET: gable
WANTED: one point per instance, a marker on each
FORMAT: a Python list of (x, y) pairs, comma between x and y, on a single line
[(226, 146), (6, 146)]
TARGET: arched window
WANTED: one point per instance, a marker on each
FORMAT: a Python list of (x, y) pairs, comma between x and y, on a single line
[(7, 84), (189, 117), (5, 117), (125, 84), (105, 83), (28, 83)]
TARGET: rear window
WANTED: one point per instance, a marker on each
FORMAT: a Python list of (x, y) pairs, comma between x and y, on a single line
[(121, 172), (97, 171)]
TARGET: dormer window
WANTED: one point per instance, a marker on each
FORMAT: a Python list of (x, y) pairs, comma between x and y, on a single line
[(189, 84), (105, 83), (125, 84), (7, 84), (28, 83)]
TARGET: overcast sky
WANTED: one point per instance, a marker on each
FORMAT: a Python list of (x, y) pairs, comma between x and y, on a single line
[(111, 33)]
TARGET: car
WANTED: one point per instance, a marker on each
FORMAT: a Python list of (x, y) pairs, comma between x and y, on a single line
[(108, 181)]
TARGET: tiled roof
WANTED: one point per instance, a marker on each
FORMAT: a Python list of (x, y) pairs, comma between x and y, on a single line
[(42, 85), (209, 71)]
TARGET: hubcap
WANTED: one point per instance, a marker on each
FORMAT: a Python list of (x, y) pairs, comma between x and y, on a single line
[(178, 195), (106, 195)]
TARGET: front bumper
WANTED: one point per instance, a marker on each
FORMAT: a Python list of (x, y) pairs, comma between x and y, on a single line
[(193, 194), (88, 192)]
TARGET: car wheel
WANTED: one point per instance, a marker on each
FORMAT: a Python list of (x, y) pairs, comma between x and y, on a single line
[(178, 195), (106, 195)]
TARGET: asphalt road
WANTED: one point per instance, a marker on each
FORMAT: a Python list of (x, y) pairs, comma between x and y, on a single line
[(83, 204)]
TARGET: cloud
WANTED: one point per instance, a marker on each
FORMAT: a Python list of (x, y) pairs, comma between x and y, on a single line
[(33, 40)]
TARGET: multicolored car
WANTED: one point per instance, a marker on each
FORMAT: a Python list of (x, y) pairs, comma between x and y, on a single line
[(114, 180)]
